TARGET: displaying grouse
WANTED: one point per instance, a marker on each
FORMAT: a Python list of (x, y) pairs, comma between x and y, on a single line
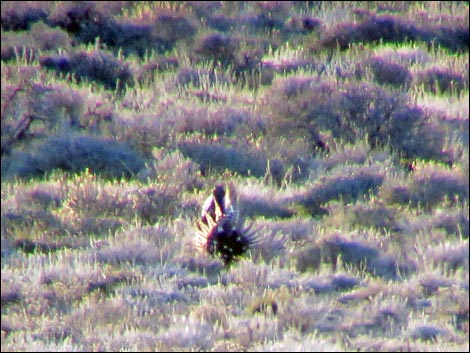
[(220, 231)]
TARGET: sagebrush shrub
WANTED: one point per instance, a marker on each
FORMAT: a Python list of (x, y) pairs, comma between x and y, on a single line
[(372, 29), (172, 168), (351, 112), (454, 37), (405, 55), (221, 23), (386, 72), (255, 206), (173, 27), (247, 64), (110, 158), (20, 16), (362, 216), (28, 45), (271, 15), (217, 158), (389, 29), (336, 250), (427, 187), (71, 16), (154, 203), (103, 68), (19, 164), (303, 24), (455, 223), (15, 45), (145, 246), (147, 71), (88, 21), (218, 48), (441, 80), (97, 66), (47, 38), (264, 22), (132, 38), (206, 9), (359, 183), (38, 110)]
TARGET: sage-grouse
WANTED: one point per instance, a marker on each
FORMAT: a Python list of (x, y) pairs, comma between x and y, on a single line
[(219, 230)]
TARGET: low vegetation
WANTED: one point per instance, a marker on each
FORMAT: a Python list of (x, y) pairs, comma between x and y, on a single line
[(342, 125)]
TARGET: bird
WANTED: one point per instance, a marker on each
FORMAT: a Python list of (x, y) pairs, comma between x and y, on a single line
[(219, 229)]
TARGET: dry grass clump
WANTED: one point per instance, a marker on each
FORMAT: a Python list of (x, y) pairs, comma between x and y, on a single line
[(295, 341), (159, 64), (199, 78), (187, 332), (146, 246), (451, 256), (85, 204), (264, 305), (91, 207)]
